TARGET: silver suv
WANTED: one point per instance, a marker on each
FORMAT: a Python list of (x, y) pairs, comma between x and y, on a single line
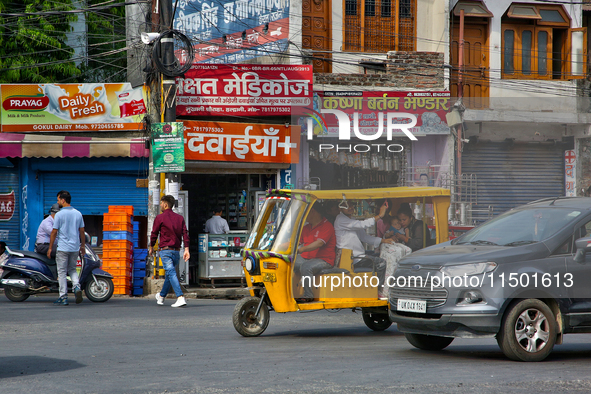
[(522, 277)]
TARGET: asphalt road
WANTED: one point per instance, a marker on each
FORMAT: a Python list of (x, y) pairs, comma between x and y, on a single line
[(134, 346)]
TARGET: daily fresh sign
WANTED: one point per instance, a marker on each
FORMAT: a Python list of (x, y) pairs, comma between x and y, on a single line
[(64, 107)]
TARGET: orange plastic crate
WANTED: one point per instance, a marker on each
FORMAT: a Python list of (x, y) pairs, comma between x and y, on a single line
[(119, 271), (121, 208), (117, 254), (117, 244), (122, 281), (117, 217), (122, 289), (117, 263), (117, 226)]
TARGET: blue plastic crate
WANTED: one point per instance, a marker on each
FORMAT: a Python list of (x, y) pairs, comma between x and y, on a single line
[(137, 290), (139, 282), (117, 236), (139, 264), (136, 243), (140, 254), (141, 273)]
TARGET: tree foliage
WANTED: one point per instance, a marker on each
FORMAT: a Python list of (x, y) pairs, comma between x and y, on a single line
[(33, 47), (48, 45)]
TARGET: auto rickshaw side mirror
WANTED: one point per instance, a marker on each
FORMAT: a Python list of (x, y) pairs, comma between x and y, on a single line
[(87, 237), (583, 246)]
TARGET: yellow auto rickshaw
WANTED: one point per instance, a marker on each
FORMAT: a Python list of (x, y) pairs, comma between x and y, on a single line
[(272, 248)]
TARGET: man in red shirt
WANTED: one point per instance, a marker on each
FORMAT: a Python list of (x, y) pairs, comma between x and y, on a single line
[(172, 229), (316, 250)]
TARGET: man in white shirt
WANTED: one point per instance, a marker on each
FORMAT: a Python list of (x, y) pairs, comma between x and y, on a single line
[(217, 224), (44, 233), (351, 232)]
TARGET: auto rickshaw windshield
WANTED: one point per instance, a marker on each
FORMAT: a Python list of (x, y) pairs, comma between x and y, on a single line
[(274, 228)]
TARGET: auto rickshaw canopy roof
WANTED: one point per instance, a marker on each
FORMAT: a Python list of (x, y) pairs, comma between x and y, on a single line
[(362, 194)]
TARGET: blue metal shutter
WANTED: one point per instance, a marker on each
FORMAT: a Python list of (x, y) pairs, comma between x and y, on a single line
[(92, 193), (10, 229), (509, 175)]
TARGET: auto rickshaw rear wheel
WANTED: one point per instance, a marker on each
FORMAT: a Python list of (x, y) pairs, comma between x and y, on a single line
[(376, 321), (246, 322)]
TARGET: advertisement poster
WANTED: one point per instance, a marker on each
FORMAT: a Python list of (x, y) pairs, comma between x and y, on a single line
[(234, 31), (222, 141), (168, 150), (65, 107), (244, 90), (426, 110)]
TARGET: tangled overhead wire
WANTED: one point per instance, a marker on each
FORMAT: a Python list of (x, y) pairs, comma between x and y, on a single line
[(185, 50)]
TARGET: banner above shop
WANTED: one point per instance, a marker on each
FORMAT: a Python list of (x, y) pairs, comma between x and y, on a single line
[(234, 31), (88, 107), (427, 109), (241, 142), (244, 90), (168, 150)]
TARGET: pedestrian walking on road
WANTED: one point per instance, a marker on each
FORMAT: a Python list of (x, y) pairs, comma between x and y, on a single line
[(172, 230), (68, 228)]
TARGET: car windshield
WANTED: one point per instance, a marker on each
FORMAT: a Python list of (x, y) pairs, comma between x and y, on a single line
[(520, 227)]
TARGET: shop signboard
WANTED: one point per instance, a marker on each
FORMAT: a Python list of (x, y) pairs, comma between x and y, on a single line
[(7, 206), (241, 142), (87, 107), (244, 90), (423, 112), (234, 31), (168, 150)]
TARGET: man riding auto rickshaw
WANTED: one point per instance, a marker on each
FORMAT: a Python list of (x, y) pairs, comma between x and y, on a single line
[(290, 219)]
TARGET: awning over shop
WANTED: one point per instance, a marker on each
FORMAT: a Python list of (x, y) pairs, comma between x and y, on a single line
[(34, 145)]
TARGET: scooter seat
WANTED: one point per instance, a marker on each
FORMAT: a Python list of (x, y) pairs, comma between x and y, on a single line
[(37, 256)]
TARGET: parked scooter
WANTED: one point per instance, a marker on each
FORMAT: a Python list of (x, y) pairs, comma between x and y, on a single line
[(24, 273)]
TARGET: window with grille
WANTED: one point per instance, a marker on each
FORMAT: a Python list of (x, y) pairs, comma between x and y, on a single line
[(380, 25)]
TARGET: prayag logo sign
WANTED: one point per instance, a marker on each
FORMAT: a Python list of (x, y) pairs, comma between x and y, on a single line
[(26, 103)]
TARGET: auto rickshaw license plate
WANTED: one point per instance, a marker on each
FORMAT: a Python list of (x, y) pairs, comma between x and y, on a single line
[(418, 306)]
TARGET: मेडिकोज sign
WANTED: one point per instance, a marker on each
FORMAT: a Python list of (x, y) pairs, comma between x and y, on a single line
[(244, 90), (234, 31), (168, 150), (241, 142), (64, 107), (423, 112)]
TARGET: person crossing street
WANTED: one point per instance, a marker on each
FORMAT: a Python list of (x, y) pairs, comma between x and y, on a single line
[(172, 230)]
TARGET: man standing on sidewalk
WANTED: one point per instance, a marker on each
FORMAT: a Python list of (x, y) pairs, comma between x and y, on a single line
[(172, 230), (68, 227)]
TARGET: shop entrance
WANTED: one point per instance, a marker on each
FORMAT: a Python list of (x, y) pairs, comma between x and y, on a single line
[(238, 195)]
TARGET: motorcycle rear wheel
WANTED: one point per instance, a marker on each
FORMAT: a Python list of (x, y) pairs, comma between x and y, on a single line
[(99, 293), (15, 294)]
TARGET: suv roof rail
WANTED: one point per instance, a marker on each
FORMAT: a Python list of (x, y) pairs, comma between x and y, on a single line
[(548, 199)]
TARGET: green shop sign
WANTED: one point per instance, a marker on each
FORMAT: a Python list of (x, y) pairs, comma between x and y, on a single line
[(168, 148)]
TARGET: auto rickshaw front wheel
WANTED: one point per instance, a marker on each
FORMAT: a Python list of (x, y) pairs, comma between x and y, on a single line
[(376, 321), (245, 319)]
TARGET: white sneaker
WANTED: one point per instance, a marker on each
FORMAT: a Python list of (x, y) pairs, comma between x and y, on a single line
[(179, 302), (159, 299)]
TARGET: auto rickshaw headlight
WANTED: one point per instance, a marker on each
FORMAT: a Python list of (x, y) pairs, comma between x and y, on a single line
[(250, 264)]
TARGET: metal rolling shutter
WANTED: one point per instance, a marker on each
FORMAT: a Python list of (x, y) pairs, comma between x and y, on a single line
[(509, 175), (10, 229), (92, 193)]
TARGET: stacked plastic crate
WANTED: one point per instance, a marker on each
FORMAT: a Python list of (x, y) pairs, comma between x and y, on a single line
[(139, 262), (118, 246)]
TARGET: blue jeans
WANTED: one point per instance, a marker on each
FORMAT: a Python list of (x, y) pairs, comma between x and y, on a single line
[(170, 259)]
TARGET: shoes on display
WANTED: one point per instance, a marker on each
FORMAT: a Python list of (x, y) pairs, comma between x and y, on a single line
[(63, 300), (179, 302), (78, 294), (159, 299)]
